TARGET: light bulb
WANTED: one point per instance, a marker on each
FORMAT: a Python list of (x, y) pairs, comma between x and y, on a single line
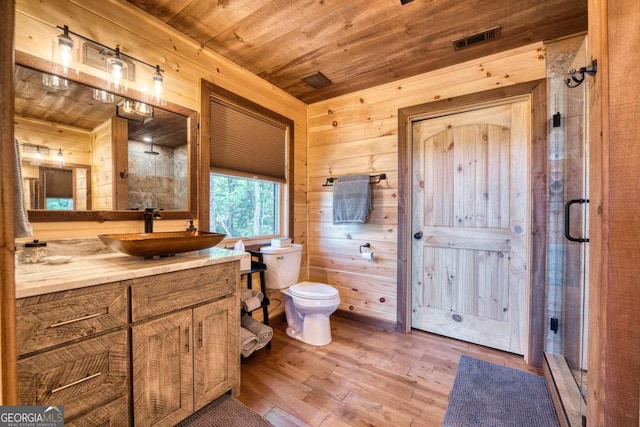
[(117, 73), (65, 53), (60, 157)]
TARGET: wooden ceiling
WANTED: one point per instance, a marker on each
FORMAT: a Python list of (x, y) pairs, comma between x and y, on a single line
[(358, 44)]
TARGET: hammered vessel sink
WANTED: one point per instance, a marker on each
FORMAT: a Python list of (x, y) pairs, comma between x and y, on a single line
[(167, 243)]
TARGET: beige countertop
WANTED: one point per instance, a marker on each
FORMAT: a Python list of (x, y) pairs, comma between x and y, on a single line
[(90, 270)]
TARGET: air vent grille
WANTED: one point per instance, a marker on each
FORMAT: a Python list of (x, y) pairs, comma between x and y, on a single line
[(316, 80), (480, 37)]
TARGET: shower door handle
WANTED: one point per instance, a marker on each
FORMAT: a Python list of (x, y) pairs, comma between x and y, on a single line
[(567, 220)]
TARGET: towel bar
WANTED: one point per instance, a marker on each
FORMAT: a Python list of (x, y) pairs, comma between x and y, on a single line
[(377, 178)]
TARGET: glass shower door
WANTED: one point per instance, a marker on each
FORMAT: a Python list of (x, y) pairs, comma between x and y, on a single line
[(567, 226)]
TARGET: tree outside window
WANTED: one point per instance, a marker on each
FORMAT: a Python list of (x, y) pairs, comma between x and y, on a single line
[(242, 207)]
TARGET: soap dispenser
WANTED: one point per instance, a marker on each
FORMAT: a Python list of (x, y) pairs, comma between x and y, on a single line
[(34, 252)]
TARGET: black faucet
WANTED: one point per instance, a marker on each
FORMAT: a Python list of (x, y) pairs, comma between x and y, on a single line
[(149, 215)]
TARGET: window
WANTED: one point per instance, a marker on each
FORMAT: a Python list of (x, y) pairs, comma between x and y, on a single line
[(59, 204), (57, 185), (243, 207), (250, 161)]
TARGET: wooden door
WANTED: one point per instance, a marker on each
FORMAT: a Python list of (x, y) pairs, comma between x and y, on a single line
[(470, 218), (217, 349), (163, 370)]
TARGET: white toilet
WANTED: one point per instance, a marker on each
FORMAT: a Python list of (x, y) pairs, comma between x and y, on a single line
[(307, 305)]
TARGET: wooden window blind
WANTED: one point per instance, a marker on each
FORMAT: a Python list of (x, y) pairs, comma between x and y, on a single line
[(245, 142)]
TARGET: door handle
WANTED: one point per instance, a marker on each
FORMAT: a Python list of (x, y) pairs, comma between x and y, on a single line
[(567, 220), (418, 235)]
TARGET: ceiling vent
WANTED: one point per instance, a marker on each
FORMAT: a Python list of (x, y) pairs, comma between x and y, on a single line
[(317, 80), (483, 36)]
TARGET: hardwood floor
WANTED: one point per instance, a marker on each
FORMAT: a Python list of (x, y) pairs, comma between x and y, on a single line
[(367, 376)]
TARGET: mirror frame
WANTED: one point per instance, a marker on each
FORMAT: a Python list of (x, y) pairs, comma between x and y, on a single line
[(42, 65)]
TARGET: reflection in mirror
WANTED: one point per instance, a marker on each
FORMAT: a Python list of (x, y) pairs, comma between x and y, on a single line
[(85, 149)]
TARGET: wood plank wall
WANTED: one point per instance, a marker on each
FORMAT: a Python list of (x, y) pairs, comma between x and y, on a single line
[(614, 223), (357, 133), (113, 23)]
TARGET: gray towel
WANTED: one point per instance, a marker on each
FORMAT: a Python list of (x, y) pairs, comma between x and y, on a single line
[(351, 199), (248, 342), (264, 333), (22, 228)]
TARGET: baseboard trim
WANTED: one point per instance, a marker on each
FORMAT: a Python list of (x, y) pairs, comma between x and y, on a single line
[(365, 319)]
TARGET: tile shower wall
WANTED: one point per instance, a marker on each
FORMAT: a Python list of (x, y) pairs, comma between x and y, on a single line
[(157, 180), (566, 157)]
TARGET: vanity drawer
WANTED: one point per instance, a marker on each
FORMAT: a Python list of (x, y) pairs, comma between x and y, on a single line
[(114, 414), (164, 293), (48, 320), (83, 376)]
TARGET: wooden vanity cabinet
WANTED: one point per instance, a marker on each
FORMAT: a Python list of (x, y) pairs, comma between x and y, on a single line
[(163, 346), (185, 342), (74, 351)]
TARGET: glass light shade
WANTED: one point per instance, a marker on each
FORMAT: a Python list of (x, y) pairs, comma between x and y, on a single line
[(37, 157), (55, 82), (60, 158), (143, 109), (103, 96), (116, 75), (64, 54), (129, 106), (158, 89)]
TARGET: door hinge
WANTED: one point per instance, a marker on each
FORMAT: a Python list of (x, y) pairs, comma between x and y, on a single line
[(554, 325), (557, 120)]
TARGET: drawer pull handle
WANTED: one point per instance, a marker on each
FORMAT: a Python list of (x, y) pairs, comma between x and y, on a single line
[(79, 319), (200, 333), (188, 338), (55, 390)]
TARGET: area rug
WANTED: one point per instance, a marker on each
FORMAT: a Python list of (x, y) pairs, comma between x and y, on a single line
[(489, 395), (225, 411)]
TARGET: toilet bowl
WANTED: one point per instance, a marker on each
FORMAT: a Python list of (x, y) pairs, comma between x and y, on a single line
[(307, 305)]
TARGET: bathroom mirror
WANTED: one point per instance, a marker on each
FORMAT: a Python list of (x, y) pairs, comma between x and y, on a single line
[(91, 155)]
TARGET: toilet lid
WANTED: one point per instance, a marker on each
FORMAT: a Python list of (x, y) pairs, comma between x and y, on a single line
[(313, 290)]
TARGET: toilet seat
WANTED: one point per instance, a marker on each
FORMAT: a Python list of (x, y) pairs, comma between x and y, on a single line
[(313, 291)]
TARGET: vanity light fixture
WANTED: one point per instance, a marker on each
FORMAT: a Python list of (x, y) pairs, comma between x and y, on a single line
[(64, 53), (116, 65), (36, 152)]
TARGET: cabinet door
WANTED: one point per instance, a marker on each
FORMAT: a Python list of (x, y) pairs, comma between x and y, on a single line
[(163, 370), (82, 376), (217, 349)]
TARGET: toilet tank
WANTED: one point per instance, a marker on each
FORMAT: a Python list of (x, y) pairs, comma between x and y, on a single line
[(283, 265)]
